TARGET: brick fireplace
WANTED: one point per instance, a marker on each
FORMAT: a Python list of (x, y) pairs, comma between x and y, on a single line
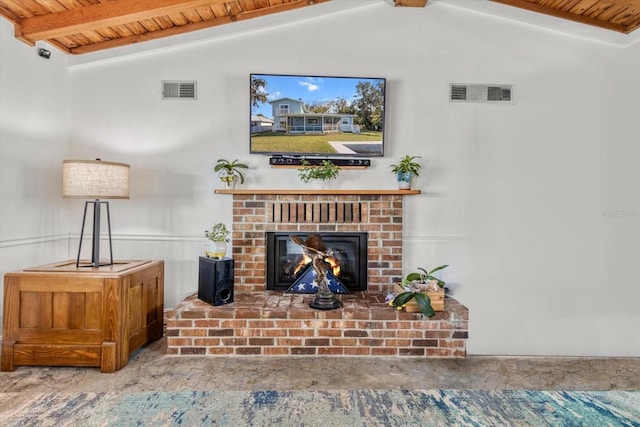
[(262, 322), (379, 215)]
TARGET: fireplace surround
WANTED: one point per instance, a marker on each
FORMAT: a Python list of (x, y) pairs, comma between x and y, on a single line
[(262, 322), (375, 212)]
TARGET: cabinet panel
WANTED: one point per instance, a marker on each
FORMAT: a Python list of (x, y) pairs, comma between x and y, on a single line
[(66, 316)]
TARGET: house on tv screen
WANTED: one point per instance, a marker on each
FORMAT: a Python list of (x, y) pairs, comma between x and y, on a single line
[(291, 116)]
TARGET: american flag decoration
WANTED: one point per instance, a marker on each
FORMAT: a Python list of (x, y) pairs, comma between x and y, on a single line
[(306, 283)]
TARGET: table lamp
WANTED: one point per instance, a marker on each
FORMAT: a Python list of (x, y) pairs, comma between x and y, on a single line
[(95, 179)]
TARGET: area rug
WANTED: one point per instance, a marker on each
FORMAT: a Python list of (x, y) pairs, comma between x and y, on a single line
[(350, 408)]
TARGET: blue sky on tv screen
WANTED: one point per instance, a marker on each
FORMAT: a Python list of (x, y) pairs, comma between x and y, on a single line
[(310, 89)]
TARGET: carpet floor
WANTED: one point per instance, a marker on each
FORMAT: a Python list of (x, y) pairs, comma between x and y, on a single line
[(350, 408)]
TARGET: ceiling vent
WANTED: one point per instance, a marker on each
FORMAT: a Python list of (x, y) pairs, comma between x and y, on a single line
[(179, 89), (480, 93)]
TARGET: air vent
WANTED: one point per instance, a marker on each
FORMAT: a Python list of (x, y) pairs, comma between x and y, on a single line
[(480, 93), (179, 89)]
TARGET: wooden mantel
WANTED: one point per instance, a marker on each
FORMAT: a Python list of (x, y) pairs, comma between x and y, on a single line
[(308, 191)]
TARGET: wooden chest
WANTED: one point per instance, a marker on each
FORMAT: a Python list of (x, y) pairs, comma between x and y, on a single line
[(61, 315)]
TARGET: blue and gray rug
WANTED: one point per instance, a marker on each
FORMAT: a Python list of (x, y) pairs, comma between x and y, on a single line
[(350, 408)]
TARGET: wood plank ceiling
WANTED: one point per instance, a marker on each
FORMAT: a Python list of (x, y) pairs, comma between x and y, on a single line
[(81, 26), (617, 15)]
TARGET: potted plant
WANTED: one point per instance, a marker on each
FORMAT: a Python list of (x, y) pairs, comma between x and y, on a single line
[(416, 287), (423, 276), (323, 172), (405, 170), (229, 172), (218, 237)]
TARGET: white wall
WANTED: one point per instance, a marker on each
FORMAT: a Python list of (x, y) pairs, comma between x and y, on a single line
[(534, 205), (34, 139)]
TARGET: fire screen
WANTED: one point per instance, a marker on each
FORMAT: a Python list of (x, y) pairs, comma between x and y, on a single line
[(286, 261)]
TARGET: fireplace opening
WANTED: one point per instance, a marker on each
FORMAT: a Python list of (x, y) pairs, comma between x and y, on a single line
[(286, 261)]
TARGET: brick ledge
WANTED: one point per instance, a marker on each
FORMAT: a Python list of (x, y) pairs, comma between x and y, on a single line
[(272, 323)]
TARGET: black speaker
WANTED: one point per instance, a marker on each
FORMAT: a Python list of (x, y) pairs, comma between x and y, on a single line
[(215, 280), (315, 161)]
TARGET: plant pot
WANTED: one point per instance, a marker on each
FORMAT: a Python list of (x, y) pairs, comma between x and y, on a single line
[(404, 180), (216, 249), (436, 297), (229, 180), (318, 184)]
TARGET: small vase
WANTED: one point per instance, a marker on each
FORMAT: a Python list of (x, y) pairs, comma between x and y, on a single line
[(216, 249), (404, 180), (318, 184), (229, 180)]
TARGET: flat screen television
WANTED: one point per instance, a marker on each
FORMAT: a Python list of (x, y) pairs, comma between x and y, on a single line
[(298, 115)]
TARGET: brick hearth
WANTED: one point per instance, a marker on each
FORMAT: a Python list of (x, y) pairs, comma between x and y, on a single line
[(275, 324), (271, 323)]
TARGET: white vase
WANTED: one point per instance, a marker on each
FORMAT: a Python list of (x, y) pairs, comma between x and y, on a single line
[(230, 181), (216, 249), (318, 184)]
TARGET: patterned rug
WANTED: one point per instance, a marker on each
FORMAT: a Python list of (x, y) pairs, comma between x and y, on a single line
[(350, 408)]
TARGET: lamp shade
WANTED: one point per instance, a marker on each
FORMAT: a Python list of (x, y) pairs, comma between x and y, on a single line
[(95, 179)]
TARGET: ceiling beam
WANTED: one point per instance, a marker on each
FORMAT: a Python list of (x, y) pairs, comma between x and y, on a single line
[(523, 4), (410, 3), (101, 15), (256, 13)]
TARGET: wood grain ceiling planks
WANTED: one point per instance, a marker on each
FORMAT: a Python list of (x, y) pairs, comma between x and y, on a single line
[(80, 26), (617, 15)]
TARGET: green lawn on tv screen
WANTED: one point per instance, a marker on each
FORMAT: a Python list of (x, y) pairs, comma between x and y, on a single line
[(279, 142)]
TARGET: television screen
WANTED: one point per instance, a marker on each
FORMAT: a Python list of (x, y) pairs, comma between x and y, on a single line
[(317, 115)]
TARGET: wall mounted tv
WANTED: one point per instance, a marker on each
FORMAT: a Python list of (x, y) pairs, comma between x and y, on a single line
[(298, 115)]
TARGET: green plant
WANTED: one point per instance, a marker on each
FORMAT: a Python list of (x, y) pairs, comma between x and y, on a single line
[(229, 169), (407, 165), (424, 276), (218, 233), (414, 289), (325, 171)]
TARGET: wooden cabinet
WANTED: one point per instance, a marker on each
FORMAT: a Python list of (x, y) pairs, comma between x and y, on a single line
[(61, 315)]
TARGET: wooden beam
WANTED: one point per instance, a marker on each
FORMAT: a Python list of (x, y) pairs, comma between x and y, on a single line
[(410, 3), (523, 4), (304, 191), (101, 15), (194, 26)]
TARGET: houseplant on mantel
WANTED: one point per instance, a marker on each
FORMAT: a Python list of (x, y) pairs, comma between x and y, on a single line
[(229, 172), (325, 171), (426, 290), (218, 238), (405, 170)]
